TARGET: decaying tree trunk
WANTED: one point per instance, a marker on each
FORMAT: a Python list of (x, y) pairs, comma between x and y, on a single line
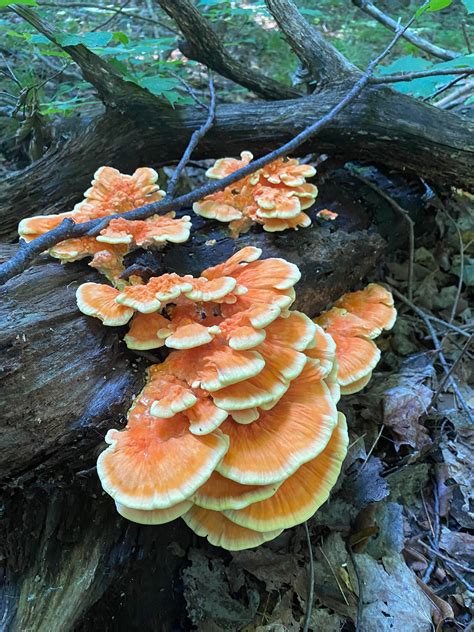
[(66, 380)]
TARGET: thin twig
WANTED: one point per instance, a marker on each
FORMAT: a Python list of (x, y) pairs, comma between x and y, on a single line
[(360, 599), (193, 142), (334, 575), (451, 370), (369, 454), (190, 90), (437, 346), (458, 576), (436, 533), (445, 324), (446, 558), (116, 13), (9, 72), (451, 99), (406, 218), (461, 265), (310, 598), (68, 229), (466, 37), (126, 13), (410, 76), (50, 78), (446, 86), (410, 36)]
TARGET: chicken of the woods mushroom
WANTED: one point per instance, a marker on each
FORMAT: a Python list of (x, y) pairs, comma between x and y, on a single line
[(237, 430)]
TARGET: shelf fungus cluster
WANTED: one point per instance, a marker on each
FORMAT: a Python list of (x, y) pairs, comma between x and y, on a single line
[(237, 430), (112, 192), (275, 196)]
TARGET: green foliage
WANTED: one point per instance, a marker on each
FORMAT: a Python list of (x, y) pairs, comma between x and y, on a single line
[(7, 3), (147, 55), (434, 5), (469, 4)]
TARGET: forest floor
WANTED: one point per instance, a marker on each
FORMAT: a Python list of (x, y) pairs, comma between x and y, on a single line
[(393, 547)]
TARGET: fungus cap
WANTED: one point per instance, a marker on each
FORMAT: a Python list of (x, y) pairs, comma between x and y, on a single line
[(157, 463), (300, 495), (204, 417), (219, 493), (32, 227), (358, 385), (143, 331), (373, 305), (154, 516), (220, 531), (274, 225), (153, 230), (225, 166), (327, 215), (100, 301), (295, 431)]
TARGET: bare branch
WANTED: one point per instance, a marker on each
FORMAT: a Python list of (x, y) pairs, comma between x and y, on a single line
[(410, 76), (195, 138), (446, 86), (202, 44), (410, 36), (456, 96), (68, 229), (324, 62)]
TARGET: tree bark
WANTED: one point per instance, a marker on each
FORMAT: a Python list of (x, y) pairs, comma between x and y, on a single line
[(381, 126)]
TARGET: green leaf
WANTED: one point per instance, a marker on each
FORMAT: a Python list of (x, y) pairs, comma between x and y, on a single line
[(407, 63), (7, 3), (315, 13), (39, 39), (463, 61), (119, 36), (157, 85), (469, 4), (434, 5), (94, 39), (437, 5)]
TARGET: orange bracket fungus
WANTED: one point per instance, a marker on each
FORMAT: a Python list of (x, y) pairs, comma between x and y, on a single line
[(112, 192), (237, 430), (274, 196)]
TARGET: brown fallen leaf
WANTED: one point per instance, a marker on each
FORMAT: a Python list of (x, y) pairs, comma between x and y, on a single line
[(274, 569), (403, 406), (442, 610), (458, 454), (459, 545), (364, 484)]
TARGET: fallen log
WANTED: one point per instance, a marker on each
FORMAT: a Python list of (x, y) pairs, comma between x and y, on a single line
[(422, 140), (66, 378), (72, 563)]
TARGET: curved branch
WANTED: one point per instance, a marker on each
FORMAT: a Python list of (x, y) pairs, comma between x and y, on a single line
[(202, 44), (324, 62), (410, 36), (410, 76)]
